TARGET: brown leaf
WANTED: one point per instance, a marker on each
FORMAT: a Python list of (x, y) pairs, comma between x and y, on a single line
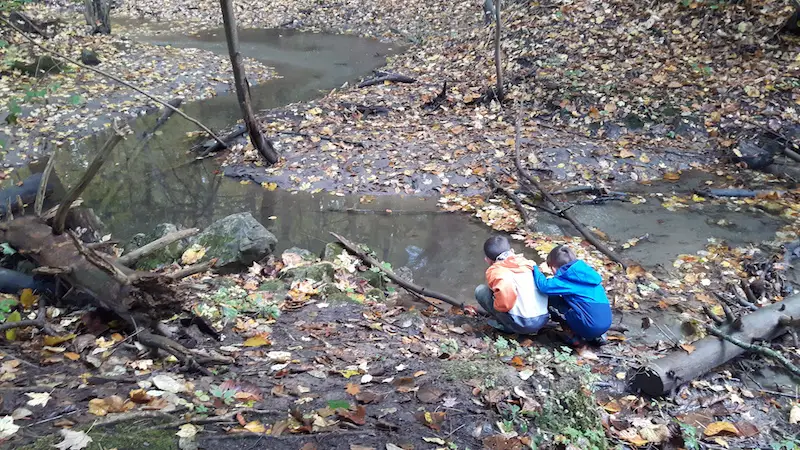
[(747, 429), (688, 347), (352, 389), (358, 417), (140, 396), (517, 362), (499, 442), (368, 397), (404, 384), (428, 394), (431, 420), (723, 426), (309, 446)]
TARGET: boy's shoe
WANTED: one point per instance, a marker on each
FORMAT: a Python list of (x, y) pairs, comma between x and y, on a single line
[(498, 326), (599, 341)]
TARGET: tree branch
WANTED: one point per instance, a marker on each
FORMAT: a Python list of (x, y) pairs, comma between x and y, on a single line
[(761, 350), (193, 269), (99, 262), (117, 79), (40, 320), (587, 234), (40, 194)]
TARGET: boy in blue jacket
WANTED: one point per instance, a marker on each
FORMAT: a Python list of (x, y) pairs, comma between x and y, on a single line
[(578, 295)]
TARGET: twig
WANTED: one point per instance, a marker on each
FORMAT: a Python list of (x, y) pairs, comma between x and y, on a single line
[(40, 320), (587, 234), (117, 79), (40, 194), (517, 202), (392, 276), (711, 315), (164, 241), (761, 350), (387, 77), (98, 261), (86, 178)]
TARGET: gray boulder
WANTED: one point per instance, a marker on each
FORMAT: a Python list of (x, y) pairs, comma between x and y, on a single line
[(236, 240)]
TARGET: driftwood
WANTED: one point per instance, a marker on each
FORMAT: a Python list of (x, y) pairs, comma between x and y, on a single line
[(262, 144), (129, 259), (353, 248), (669, 372), (556, 208), (383, 77), (115, 78)]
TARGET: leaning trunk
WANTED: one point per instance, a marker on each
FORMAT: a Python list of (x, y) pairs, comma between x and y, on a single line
[(97, 14), (665, 374), (263, 145)]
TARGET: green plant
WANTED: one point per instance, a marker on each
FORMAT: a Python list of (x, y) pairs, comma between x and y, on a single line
[(786, 444), (6, 305), (225, 395), (690, 438)]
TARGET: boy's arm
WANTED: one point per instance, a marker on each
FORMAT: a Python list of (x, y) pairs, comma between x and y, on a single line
[(550, 286)]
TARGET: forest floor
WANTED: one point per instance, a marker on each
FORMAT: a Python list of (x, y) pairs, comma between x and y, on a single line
[(608, 94)]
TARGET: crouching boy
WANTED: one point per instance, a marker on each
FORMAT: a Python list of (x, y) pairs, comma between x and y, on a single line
[(510, 295)]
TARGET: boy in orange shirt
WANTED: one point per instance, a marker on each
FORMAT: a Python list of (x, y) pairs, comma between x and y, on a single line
[(510, 295)]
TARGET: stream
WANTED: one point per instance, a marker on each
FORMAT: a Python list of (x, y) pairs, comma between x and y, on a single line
[(134, 193)]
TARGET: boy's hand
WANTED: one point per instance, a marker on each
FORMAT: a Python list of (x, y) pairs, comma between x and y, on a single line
[(470, 310)]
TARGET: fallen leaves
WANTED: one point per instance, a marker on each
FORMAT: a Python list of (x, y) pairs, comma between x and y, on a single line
[(73, 440), (794, 415), (259, 340), (7, 427), (38, 398), (109, 405), (721, 427)]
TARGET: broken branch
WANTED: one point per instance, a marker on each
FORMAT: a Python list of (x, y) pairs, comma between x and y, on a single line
[(760, 349), (41, 192), (193, 269), (131, 258), (397, 78)]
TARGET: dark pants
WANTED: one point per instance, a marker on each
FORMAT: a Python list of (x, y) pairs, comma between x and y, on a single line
[(485, 298)]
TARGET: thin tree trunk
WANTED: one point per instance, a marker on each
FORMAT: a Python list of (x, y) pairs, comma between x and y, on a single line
[(98, 14), (262, 144), (498, 63)]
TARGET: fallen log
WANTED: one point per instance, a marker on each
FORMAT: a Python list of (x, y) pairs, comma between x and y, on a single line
[(129, 259), (393, 77), (669, 372)]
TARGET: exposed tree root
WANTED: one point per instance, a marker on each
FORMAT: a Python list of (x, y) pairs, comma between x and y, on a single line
[(40, 321)]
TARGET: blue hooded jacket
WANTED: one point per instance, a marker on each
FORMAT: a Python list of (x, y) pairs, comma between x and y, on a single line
[(589, 315)]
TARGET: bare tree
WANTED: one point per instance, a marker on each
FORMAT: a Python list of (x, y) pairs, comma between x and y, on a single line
[(498, 63), (262, 144), (98, 14)]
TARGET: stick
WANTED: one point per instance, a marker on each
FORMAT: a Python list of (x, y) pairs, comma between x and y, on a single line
[(193, 269), (40, 320), (760, 349), (587, 234), (388, 77), (392, 276), (117, 79), (517, 202), (40, 194), (83, 183), (131, 258), (99, 262)]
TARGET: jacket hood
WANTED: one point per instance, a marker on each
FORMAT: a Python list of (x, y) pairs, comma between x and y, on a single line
[(515, 263), (579, 272)]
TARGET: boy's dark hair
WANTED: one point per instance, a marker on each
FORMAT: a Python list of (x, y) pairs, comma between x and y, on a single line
[(560, 256), (495, 246)]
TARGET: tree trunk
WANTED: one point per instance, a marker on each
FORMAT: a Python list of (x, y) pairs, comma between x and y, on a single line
[(97, 14), (665, 374), (498, 62), (263, 145)]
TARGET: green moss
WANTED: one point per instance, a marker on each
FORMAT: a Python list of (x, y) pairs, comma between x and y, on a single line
[(273, 286), (121, 438), (459, 370), (322, 271)]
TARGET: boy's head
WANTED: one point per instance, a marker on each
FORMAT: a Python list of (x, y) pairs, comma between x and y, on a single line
[(560, 256), (495, 246)]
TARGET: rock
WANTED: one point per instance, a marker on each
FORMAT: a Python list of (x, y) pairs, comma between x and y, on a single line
[(41, 66), (634, 122), (689, 128), (322, 271), (405, 273), (374, 278), (89, 57), (332, 250), (236, 240), (297, 255), (755, 156)]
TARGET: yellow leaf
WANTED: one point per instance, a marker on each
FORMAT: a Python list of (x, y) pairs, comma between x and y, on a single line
[(256, 341), (723, 426), (625, 153), (255, 427), (672, 176), (688, 347), (27, 298), (635, 271), (98, 407), (644, 158), (193, 254), (72, 356), (698, 198), (269, 186), (419, 373), (428, 417), (55, 340), (349, 373), (612, 407), (11, 334)]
